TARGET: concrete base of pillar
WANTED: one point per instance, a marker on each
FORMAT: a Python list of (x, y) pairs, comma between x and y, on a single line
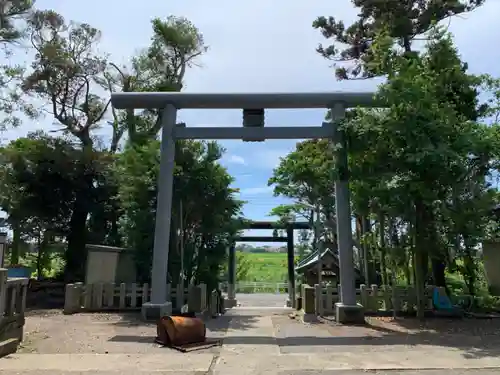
[(309, 318), (231, 291), (349, 314), (229, 303), (154, 311)]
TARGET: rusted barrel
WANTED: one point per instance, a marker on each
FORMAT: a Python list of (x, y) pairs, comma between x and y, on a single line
[(179, 330)]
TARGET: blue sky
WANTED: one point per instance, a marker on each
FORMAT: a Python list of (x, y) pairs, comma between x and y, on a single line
[(255, 46)]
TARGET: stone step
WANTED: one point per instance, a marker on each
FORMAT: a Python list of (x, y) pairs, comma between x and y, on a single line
[(246, 363), (105, 372), (170, 361), (8, 346)]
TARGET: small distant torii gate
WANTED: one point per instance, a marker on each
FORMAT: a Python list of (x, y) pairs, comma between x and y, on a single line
[(289, 239), (253, 106)]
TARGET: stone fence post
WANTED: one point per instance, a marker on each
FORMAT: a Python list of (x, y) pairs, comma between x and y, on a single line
[(73, 298), (3, 291), (194, 299)]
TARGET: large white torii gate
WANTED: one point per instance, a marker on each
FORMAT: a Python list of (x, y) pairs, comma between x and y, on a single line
[(253, 106)]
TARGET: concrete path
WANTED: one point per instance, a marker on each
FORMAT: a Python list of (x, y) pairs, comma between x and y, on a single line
[(261, 299), (259, 341), (268, 342)]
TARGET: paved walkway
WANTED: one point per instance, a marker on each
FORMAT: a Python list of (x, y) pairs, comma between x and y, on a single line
[(261, 299), (273, 343), (256, 341)]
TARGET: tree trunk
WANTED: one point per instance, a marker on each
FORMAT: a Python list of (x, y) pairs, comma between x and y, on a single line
[(366, 249), (438, 272), (421, 259), (16, 244), (76, 253), (470, 270), (43, 242), (407, 268), (359, 234), (114, 238), (383, 265)]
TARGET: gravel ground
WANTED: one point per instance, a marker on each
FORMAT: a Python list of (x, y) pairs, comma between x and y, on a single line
[(51, 332)]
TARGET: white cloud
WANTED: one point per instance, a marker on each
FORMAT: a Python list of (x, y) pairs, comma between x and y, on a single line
[(256, 190), (271, 158), (235, 159)]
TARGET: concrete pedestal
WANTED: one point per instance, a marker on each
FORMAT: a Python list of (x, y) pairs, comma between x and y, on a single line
[(231, 291), (229, 303), (309, 318), (154, 311), (349, 314)]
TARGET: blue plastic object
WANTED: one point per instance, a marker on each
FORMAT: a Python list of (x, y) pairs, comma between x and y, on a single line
[(19, 272), (441, 302)]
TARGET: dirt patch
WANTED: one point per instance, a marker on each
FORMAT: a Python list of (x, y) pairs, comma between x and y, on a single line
[(475, 338), (51, 332), (466, 326)]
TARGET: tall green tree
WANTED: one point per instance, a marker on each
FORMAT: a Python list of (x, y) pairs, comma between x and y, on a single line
[(39, 177), (209, 209), (64, 75), (403, 22), (13, 16), (426, 143), (305, 175), (414, 164), (383, 34), (176, 45)]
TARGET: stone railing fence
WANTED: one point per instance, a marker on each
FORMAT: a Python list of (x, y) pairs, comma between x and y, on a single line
[(373, 298), (13, 293), (81, 297)]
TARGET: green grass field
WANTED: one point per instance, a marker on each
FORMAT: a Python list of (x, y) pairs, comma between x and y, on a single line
[(266, 267)]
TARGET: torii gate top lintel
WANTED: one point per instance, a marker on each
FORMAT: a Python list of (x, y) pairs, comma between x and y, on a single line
[(277, 225), (185, 100)]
